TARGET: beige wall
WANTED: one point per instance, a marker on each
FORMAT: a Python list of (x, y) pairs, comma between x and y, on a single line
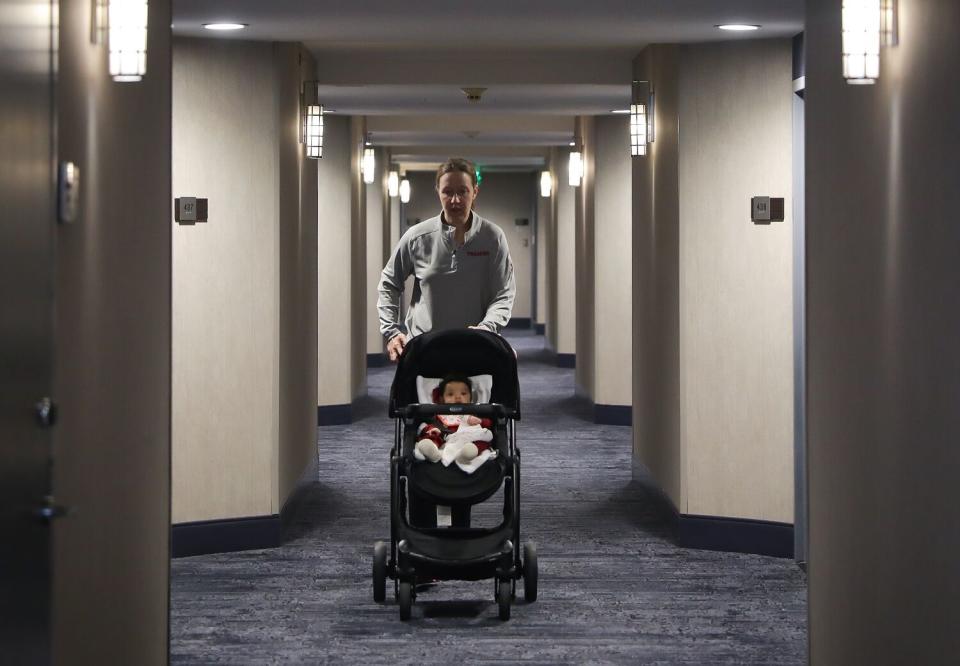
[(298, 275), (244, 313), (334, 266), (731, 372), (655, 268), (110, 558), (504, 197), (585, 239), (736, 294), (358, 259), (613, 331), (543, 207), (377, 219), (883, 364), (225, 282), (566, 329), (549, 239)]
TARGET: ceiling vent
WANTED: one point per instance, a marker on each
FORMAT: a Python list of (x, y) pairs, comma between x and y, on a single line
[(473, 94)]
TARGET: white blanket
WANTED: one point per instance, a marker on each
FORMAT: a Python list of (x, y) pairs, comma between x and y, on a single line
[(455, 442)]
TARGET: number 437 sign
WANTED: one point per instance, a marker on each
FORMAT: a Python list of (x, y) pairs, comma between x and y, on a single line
[(190, 210)]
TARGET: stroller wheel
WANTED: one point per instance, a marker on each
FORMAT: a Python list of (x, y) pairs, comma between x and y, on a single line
[(406, 600), (530, 572), (503, 599), (379, 571)]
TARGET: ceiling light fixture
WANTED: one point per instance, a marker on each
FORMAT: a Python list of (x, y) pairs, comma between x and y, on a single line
[(623, 111), (224, 27), (473, 94), (738, 27)]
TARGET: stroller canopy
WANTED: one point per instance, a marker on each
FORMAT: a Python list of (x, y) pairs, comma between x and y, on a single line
[(459, 351)]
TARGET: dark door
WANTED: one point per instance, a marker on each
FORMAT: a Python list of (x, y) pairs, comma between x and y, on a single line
[(27, 215)]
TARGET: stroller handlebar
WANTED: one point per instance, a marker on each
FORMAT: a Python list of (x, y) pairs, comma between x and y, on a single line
[(492, 410)]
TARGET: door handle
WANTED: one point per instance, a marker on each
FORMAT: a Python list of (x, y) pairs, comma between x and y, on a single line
[(50, 511), (46, 412)]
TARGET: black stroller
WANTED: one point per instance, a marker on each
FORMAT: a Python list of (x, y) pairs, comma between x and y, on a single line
[(418, 550)]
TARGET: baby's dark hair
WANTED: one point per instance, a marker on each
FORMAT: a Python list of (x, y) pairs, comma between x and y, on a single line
[(463, 379)]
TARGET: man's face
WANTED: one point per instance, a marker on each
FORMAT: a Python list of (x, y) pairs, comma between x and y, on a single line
[(456, 393), (457, 194)]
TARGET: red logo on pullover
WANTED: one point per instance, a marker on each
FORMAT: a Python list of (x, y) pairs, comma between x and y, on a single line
[(479, 253)]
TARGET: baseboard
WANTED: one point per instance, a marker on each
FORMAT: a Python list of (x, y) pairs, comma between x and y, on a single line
[(225, 536), (737, 535), (334, 414), (540, 329), (206, 537), (377, 360), (519, 322), (566, 360), (618, 415)]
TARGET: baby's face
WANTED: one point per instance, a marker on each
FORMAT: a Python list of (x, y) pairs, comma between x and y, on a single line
[(456, 393)]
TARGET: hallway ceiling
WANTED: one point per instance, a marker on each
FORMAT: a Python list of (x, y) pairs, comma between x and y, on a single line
[(537, 58)]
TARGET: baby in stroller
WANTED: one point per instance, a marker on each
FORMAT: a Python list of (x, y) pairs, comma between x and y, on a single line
[(418, 548), (459, 438)]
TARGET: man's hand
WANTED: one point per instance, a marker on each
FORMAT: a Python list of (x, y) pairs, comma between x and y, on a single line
[(395, 346)]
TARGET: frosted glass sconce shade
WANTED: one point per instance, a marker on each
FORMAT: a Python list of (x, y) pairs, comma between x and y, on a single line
[(576, 168), (867, 25), (393, 184), (638, 129), (546, 184), (405, 191), (368, 165), (313, 130), (127, 31)]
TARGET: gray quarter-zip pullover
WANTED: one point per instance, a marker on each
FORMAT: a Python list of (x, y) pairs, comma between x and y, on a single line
[(472, 285)]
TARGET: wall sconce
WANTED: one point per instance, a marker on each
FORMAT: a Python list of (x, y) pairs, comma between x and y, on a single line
[(576, 168), (312, 130), (546, 184), (124, 24), (393, 184), (867, 25), (405, 191), (368, 165), (641, 122)]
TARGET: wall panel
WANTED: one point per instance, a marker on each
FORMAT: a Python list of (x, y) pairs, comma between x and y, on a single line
[(736, 332), (112, 365), (226, 284), (883, 365)]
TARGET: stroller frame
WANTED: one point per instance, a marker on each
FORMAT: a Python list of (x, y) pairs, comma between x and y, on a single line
[(454, 553)]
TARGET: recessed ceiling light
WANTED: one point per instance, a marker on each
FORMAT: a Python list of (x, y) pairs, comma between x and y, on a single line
[(224, 26), (738, 27), (619, 110)]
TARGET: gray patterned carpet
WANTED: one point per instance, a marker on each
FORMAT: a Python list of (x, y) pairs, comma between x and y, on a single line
[(613, 586)]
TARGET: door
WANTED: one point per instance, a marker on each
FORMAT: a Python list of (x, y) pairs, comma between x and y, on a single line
[(26, 326)]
